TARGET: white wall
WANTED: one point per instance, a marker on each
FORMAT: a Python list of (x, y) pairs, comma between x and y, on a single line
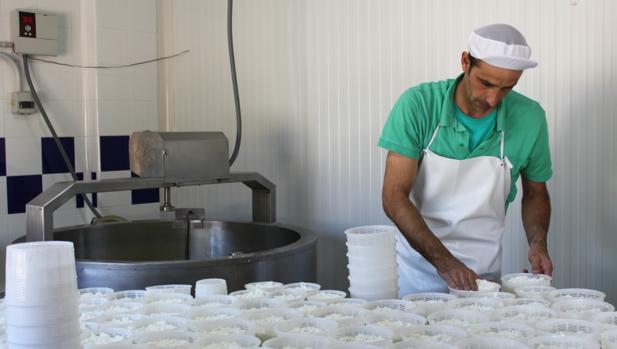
[(81, 103), (317, 79)]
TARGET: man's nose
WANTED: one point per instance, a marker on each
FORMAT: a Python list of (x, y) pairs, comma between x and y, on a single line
[(492, 98)]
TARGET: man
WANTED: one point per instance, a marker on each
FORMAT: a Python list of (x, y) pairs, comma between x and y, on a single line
[(458, 146)]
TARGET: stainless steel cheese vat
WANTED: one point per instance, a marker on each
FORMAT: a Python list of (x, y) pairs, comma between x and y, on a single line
[(133, 255)]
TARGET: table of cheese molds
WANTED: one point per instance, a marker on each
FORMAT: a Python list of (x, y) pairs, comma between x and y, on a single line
[(302, 315)]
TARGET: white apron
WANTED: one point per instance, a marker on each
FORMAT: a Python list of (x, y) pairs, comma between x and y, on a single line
[(463, 203)]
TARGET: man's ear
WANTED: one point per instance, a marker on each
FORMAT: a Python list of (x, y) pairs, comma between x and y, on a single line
[(465, 62)]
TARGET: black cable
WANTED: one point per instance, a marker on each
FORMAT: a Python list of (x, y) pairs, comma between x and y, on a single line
[(234, 80), (109, 66), (65, 157)]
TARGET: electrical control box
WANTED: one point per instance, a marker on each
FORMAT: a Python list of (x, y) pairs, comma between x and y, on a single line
[(34, 33), (22, 103)]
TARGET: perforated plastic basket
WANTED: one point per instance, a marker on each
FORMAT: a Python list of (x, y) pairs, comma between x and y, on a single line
[(575, 293), (371, 235), (483, 305), (306, 326), (427, 303), (608, 339), (390, 305), (457, 317), (534, 291), (573, 327), (563, 342), (523, 313), (365, 334), (491, 343), (516, 280), (504, 329), (433, 333), (297, 342)]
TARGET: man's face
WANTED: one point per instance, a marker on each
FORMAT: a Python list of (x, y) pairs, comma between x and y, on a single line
[(486, 85)]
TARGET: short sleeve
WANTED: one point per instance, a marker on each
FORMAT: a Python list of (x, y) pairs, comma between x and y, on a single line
[(400, 133), (539, 166)]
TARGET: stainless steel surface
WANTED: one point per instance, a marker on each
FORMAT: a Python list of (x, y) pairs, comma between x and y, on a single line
[(139, 254), (166, 205), (179, 156), (39, 211)]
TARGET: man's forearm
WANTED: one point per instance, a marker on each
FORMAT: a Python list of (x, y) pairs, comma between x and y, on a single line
[(536, 211), (411, 224)]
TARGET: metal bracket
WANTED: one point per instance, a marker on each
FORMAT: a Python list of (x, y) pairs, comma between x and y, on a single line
[(39, 211)]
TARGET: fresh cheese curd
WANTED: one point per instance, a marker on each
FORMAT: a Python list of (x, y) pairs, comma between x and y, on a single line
[(435, 337), (361, 338), (100, 338), (223, 345), (452, 322), (213, 317), (338, 317), (224, 330), (392, 323), (268, 320), (168, 343), (307, 330), (157, 326), (487, 286)]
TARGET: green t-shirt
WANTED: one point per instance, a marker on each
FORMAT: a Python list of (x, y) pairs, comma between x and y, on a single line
[(478, 128), (422, 108)]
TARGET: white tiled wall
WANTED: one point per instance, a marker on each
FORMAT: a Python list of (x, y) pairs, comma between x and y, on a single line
[(82, 103)]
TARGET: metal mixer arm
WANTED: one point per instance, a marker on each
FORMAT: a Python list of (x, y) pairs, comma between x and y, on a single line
[(39, 211)]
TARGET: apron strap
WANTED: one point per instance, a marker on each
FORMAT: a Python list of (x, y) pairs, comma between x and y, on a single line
[(501, 151), (428, 146)]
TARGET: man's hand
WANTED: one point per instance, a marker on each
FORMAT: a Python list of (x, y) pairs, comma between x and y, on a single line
[(539, 259), (457, 275)]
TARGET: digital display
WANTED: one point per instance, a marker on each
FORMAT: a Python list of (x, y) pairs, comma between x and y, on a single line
[(27, 24)]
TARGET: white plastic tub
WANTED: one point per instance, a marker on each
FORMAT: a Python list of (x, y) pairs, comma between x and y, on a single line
[(427, 303), (457, 317), (236, 340), (365, 334), (524, 313), (268, 286), (176, 288), (483, 305), (390, 305), (575, 293), (513, 281), (563, 342), (166, 339), (344, 315), (298, 342), (433, 333), (534, 291), (421, 344), (395, 321), (491, 343), (371, 235), (266, 319), (306, 326), (503, 329), (581, 328), (160, 323), (223, 327), (581, 308)]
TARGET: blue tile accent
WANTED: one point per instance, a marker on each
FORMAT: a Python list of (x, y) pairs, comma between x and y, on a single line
[(21, 190), (114, 153), (144, 196), (79, 200), (2, 157), (52, 160)]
